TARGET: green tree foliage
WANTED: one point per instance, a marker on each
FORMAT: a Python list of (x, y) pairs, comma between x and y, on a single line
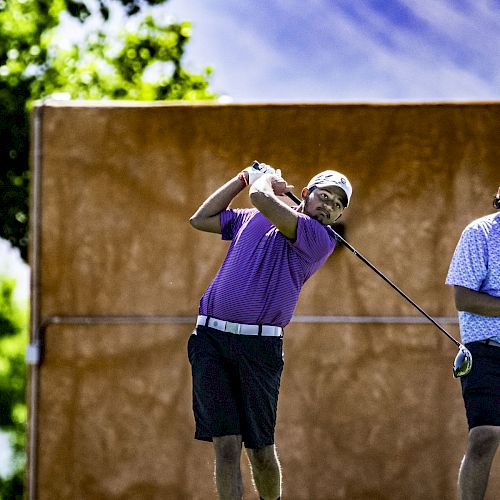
[(34, 64), (13, 338)]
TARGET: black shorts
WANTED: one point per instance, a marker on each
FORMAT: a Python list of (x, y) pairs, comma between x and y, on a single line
[(481, 387), (236, 381)]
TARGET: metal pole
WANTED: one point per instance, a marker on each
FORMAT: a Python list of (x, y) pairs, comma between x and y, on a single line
[(32, 352)]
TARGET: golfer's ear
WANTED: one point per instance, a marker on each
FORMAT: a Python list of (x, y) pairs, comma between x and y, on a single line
[(305, 193)]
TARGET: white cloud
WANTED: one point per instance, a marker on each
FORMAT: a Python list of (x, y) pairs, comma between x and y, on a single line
[(473, 26), (383, 60), (5, 455), (12, 265), (221, 39), (404, 57), (291, 50)]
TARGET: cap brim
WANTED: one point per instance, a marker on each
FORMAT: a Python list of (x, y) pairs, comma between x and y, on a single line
[(332, 186)]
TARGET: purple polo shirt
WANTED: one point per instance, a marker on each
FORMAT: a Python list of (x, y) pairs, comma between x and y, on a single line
[(261, 277)]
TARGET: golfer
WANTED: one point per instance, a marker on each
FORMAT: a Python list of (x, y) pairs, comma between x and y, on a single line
[(475, 273), (236, 351)]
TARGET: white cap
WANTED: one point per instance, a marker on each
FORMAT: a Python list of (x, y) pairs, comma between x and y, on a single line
[(330, 178)]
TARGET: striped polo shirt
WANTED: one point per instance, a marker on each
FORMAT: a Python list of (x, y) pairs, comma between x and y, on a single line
[(261, 277), (476, 265)]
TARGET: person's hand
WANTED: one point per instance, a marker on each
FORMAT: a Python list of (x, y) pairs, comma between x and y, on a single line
[(257, 170), (496, 200), (279, 185)]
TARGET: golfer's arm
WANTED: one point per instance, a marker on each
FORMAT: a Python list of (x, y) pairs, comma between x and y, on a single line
[(206, 218), (273, 208), (476, 302)]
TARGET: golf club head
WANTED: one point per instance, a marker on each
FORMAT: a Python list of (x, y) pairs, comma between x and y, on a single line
[(496, 202), (463, 362)]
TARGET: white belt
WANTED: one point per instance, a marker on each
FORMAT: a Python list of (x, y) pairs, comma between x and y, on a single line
[(239, 328)]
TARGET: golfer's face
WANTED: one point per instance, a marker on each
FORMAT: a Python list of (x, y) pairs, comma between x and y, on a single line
[(324, 205)]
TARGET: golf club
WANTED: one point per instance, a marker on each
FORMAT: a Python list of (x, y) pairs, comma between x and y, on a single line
[(463, 360)]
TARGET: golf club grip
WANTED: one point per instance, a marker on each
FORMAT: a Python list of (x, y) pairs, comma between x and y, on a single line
[(387, 280), (294, 198)]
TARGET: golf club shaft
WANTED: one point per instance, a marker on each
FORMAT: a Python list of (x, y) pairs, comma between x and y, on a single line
[(387, 280)]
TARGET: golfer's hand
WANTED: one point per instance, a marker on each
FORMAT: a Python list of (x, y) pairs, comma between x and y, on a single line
[(279, 185), (257, 170)]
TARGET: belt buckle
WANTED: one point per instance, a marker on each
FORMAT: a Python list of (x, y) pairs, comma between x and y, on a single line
[(232, 327)]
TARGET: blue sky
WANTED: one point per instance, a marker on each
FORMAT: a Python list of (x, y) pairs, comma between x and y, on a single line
[(345, 50)]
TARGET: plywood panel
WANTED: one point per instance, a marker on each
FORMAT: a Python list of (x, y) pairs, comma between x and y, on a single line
[(367, 411)]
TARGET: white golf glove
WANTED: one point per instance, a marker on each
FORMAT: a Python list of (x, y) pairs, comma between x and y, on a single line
[(257, 170)]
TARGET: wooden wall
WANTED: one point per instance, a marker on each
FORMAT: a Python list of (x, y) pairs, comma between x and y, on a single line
[(367, 410)]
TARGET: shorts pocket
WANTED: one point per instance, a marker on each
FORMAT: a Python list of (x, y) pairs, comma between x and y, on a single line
[(191, 345), (282, 351), (279, 353)]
